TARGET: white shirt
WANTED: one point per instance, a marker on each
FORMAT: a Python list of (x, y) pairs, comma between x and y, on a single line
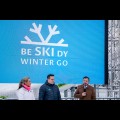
[(24, 94)]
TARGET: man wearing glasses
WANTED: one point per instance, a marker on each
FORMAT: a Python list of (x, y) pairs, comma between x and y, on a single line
[(49, 91)]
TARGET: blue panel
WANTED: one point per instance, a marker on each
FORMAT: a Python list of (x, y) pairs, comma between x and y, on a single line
[(69, 49)]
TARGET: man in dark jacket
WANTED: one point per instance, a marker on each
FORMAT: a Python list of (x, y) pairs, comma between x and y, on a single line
[(49, 91), (85, 91)]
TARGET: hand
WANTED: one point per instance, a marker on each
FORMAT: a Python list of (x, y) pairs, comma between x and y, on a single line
[(84, 94)]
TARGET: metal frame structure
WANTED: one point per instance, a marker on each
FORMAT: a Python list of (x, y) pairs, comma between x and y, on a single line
[(114, 58)]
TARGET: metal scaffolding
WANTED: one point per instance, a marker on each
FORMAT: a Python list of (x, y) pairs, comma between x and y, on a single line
[(114, 58)]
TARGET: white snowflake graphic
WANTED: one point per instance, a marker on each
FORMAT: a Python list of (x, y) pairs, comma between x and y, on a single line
[(37, 30)]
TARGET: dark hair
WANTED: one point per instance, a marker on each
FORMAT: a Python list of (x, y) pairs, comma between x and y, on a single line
[(48, 76), (85, 77), (25, 79)]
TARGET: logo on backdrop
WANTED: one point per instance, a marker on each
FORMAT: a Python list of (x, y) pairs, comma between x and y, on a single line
[(44, 51)]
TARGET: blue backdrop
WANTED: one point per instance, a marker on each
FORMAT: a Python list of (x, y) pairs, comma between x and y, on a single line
[(69, 49)]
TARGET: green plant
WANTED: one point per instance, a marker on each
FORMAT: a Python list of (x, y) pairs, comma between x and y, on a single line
[(61, 84), (3, 97)]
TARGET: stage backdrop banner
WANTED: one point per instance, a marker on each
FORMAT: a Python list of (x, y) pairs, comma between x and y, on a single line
[(69, 49)]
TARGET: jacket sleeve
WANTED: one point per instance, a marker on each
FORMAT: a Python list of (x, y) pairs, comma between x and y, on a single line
[(93, 94), (59, 95), (20, 94), (78, 94), (41, 93)]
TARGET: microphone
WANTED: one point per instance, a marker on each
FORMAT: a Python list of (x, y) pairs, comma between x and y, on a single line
[(85, 87)]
